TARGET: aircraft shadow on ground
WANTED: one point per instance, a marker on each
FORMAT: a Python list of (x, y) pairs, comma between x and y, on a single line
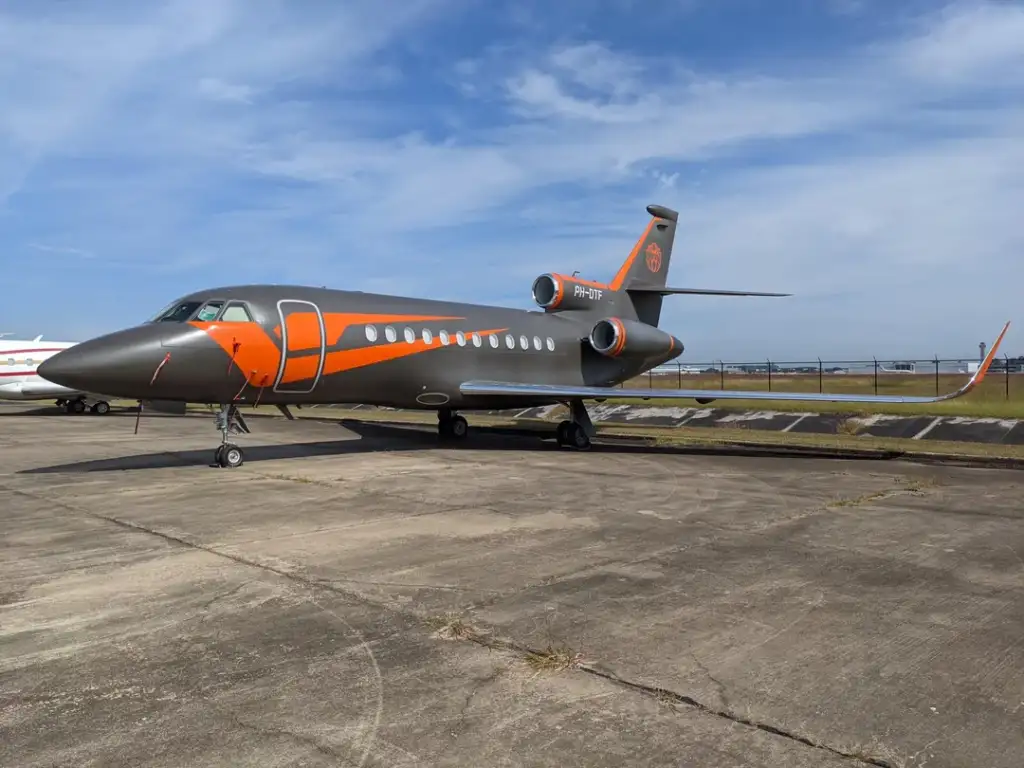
[(379, 438)]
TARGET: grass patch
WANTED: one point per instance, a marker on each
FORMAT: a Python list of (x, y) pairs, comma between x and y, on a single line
[(553, 659), (451, 626), (998, 396)]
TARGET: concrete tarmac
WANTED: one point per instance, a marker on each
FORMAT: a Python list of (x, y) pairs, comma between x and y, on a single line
[(366, 597)]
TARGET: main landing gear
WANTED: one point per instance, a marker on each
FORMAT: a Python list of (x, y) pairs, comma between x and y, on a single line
[(451, 425), (230, 422), (576, 431), (78, 405)]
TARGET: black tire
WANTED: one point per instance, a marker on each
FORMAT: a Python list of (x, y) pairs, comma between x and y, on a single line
[(578, 439), (231, 456), (102, 408), (458, 427), (77, 406)]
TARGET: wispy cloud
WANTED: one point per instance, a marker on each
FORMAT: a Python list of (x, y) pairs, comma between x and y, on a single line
[(386, 144)]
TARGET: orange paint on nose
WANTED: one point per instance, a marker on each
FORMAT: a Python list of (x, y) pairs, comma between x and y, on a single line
[(254, 352)]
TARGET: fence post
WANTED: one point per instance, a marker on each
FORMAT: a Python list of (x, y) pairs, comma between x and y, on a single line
[(679, 375), (650, 379), (721, 373), (820, 384), (769, 374), (876, 374), (936, 375), (1006, 360)]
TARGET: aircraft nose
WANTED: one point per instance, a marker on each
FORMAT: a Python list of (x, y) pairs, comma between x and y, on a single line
[(114, 364)]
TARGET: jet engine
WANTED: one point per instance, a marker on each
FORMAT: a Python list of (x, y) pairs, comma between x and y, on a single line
[(614, 337), (558, 292)]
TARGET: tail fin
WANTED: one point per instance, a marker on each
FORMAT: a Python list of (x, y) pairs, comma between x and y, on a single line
[(648, 263)]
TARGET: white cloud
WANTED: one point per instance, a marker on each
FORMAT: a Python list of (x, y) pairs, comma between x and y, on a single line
[(263, 145)]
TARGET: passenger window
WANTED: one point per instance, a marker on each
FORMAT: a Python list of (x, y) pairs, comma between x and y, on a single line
[(444, 337), (390, 334), (537, 343), (410, 335), (476, 339), (551, 344), (236, 313), (510, 341), (494, 341), (210, 311), (428, 337), (524, 342)]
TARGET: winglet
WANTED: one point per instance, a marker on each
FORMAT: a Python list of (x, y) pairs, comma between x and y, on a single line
[(979, 375)]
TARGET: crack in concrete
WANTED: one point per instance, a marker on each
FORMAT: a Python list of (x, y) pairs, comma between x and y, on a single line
[(309, 741)]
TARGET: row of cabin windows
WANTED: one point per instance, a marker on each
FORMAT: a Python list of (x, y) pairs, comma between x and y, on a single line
[(29, 362), (391, 334)]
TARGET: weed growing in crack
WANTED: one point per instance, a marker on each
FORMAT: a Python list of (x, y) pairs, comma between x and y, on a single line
[(451, 626), (553, 659)]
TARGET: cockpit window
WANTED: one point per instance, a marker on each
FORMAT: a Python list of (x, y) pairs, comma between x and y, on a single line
[(178, 313), (209, 311), (236, 313)]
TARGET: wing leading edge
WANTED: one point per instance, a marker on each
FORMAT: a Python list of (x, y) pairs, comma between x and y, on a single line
[(664, 291), (564, 392)]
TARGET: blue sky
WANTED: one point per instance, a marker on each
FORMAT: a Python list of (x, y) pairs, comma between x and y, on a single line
[(865, 155)]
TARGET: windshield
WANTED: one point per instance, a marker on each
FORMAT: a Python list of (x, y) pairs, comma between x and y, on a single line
[(178, 312)]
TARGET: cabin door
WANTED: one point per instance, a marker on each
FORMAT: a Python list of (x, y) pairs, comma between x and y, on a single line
[(303, 346)]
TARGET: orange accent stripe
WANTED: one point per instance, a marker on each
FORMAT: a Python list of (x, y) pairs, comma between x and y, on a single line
[(350, 359), (303, 331), (620, 276), (617, 350), (991, 356), (560, 281), (304, 327), (253, 350)]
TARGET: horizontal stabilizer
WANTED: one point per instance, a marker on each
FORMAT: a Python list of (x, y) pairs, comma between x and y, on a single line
[(666, 291), (561, 392)]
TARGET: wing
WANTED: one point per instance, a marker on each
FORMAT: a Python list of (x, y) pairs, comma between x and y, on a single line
[(664, 291), (569, 392)]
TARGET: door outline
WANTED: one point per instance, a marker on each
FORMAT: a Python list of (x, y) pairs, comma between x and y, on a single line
[(284, 346)]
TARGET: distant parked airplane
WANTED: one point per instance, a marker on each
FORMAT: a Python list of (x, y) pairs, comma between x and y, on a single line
[(284, 345), (20, 379)]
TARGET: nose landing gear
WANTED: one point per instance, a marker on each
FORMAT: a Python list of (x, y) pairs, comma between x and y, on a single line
[(230, 422)]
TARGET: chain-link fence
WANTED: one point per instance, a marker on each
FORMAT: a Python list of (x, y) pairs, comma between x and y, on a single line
[(936, 376)]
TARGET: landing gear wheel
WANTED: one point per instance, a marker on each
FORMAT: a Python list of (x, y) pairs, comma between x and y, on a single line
[(573, 435), (458, 427), (562, 433), (230, 456), (102, 408), (451, 426), (75, 406), (578, 439)]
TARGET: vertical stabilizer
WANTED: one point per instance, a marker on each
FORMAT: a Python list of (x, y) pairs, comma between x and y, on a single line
[(648, 263)]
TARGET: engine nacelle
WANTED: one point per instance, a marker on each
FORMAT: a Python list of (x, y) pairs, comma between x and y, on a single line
[(558, 292), (614, 337)]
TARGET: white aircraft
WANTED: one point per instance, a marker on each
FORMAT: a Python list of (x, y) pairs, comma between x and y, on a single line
[(19, 380)]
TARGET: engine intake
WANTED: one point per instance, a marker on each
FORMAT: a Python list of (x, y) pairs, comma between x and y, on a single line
[(558, 292), (614, 337)]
